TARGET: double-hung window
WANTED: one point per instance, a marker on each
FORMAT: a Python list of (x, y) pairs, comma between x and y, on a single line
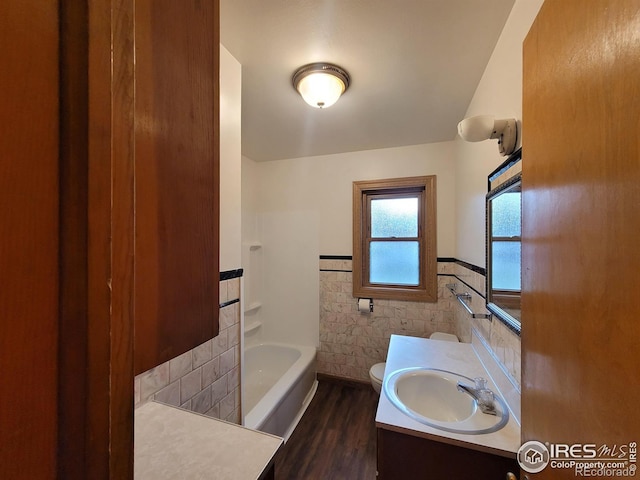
[(394, 239)]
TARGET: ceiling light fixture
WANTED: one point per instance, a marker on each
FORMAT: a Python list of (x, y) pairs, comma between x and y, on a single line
[(484, 127), (321, 84)]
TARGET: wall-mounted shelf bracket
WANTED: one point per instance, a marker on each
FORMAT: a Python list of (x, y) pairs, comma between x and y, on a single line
[(463, 298)]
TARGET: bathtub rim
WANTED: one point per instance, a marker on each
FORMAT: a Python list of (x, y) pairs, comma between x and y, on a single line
[(267, 405)]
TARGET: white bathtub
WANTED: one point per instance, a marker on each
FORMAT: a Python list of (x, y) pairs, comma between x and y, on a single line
[(279, 382)]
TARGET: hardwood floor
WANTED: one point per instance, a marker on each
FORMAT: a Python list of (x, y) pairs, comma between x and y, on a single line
[(336, 438)]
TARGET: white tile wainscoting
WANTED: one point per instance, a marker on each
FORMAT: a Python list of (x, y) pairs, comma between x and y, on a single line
[(350, 342), (206, 379)]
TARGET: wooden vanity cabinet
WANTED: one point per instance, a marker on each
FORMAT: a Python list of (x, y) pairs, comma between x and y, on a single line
[(176, 178), (408, 457)]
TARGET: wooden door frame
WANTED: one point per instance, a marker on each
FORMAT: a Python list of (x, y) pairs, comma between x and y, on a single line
[(95, 437)]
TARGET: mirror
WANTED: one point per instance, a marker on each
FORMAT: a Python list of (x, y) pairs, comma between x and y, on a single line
[(504, 247)]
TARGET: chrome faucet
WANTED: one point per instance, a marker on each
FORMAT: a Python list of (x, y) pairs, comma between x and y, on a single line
[(483, 396)]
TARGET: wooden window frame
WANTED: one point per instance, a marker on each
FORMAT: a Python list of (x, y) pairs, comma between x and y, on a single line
[(363, 192)]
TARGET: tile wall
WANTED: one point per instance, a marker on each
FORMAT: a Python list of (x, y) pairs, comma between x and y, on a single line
[(350, 342), (504, 343), (206, 379)]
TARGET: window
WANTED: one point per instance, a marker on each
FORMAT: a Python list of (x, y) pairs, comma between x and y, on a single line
[(394, 239), (504, 245)]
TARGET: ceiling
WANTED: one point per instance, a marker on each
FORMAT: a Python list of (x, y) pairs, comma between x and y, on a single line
[(414, 67)]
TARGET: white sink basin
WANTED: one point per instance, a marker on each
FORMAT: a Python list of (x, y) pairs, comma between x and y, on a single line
[(431, 397)]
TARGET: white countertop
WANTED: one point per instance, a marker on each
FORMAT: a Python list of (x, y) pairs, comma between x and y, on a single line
[(173, 443), (460, 358)]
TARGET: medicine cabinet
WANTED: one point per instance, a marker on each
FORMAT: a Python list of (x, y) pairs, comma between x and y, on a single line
[(504, 242)]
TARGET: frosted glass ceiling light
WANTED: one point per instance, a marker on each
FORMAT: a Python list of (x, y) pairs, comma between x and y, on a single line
[(321, 84), (484, 127)]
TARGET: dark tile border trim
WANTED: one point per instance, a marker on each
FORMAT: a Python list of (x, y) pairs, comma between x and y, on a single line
[(335, 257), (229, 274), (467, 265), (474, 268), (468, 286), (470, 266), (230, 302)]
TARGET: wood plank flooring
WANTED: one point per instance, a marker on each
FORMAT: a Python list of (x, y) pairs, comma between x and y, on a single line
[(336, 437)]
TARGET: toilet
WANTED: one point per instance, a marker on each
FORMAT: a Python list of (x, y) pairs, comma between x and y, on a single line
[(376, 372)]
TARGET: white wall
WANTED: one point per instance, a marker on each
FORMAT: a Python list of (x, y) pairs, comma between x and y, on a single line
[(301, 208), (251, 234), (499, 93), (323, 185), (282, 273), (230, 161)]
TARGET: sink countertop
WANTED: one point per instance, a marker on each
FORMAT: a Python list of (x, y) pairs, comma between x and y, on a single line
[(173, 443), (460, 358)]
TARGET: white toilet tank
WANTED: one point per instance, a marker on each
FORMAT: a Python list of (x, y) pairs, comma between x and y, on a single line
[(376, 372), (447, 337)]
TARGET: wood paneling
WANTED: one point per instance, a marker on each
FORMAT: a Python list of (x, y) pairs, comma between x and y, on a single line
[(67, 190), (177, 206), (29, 223), (581, 211)]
